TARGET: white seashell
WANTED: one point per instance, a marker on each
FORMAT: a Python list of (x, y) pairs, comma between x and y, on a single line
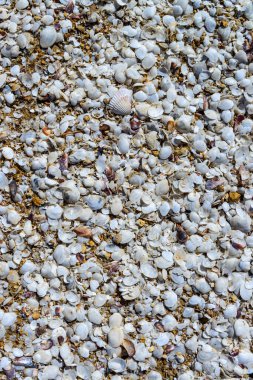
[(115, 337), (245, 293), (226, 104), (142, 109), (42, 357), (129, 31), (170, 300), (95, 202), (121, 3), (115, 320), (3, 78), (210, 24), (66, 354), (13, 217), (61, 254), (84, 351), (148, 61), (226, 116), (48, 37), (4, 269), (221, 285), (22, 4), (72, 213), (70, 192), (54, 212), (94, 316), (165, 152), (116, 206), (149, 12), (148, 270), (202, 286), (230, 311), (163, 339), (241, 222), (8, 319), (164, 208), (76, 96), (211, 114), (169, 322), (117, 365), (121, 102), (3, 181), (155, 112), (141, 52), (123, 144), (245, 358), (124, 237), (58, 335), (162, 187), (242, 329), (169, 21), (140, 96)]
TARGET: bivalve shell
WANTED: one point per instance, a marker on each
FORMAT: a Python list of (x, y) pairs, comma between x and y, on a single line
[(121, 102)]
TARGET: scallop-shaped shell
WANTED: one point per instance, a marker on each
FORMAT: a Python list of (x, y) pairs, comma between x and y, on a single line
[(121, 102)]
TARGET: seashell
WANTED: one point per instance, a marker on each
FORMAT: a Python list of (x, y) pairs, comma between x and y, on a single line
[(24, 361), (169, 322), (13, 190), (124, 237), (242, 329), (221, 285), (115, 320), (226, 104), (170, 300), (121, 3), (162, 187), (121, 102), (165, 152), (70, 192), (54, 212), (66, 354), (7, 153), (129, 347), (42, 357), (83, 231), (181, 234), (141, 52), (135, 124), (164, 208), (58, 335), (63, 162), (129, 292), (95, 202), (116, 206), (48, 37), (149, 61), (82, 330), (123, 144), (155, 112), (210, 24), (148, 270), (110, 174), (117, 365), (245, 358), (115, 337)]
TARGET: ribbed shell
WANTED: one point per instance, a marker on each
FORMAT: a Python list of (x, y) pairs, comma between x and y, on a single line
[(121, 102)]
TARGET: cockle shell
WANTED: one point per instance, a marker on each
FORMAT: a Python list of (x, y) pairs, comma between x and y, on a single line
[(121, 102)]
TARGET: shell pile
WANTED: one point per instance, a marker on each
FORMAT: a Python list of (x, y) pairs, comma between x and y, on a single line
[(126, 203)]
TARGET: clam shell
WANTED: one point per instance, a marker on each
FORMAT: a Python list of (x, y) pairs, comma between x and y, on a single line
[(121, 102)]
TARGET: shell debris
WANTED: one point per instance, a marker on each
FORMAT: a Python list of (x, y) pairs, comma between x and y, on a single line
[(126, 200)]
